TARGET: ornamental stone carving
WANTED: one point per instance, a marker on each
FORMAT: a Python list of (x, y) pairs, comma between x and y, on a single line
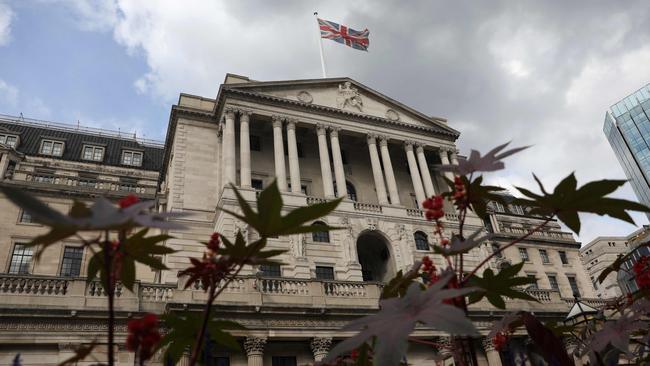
[(254, 345), (320, 347), (349, 96), (305, 97), (392, 115), (487, 343)]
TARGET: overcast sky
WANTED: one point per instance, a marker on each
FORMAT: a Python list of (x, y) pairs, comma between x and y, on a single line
[(536, 72)]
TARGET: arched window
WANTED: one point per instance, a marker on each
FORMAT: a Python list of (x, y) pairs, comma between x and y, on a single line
[(421, 241), (320, 236), (352, 192)]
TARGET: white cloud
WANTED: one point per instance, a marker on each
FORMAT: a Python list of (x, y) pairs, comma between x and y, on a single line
[(6, 16), (8, 93), (11, 101), (90, 15)]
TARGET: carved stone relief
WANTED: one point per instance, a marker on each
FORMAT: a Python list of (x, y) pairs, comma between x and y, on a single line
[(305, 97), (349, 96)]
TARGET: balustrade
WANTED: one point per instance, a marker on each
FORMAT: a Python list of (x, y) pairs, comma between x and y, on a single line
[(415, 212), (283, 286), (157, 293), (95, 288), (33, 285), (314, 200), (371, 207), (344, 289)]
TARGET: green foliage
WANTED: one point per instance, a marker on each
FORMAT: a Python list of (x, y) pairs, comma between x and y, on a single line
[(183, 329), (478, 194), (252, 253), (268, 220), (399, 284), (496, 287), (567, 201)]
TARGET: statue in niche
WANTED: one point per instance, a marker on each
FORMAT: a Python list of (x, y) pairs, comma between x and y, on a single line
[(349, 96)]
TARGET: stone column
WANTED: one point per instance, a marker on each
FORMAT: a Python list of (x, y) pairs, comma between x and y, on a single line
[(320, 347), (294, 165), (4, 162), (244, 150), (254, 347), (339, 173), (424, 170), (323, 152), (444, 158), (228, 155), (376, 170), (278, 149), (415, 173), (491, 353), (454, 157), (388, 169)]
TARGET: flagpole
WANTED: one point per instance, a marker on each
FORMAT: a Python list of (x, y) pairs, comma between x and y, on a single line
[(320, 42)]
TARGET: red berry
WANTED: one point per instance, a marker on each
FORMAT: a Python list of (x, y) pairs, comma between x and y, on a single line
[(128, 201)]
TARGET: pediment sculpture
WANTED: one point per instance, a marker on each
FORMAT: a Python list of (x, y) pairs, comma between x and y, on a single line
[(349, 96)]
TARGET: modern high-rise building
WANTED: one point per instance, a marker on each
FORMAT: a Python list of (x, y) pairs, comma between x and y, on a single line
[(627, 127)]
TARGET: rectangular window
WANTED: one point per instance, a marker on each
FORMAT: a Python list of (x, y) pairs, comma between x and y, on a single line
[(257, 184), (414, 199), (563, 257), (10, 140), (133, 158), (25, 218), (523, 252), (270, 270), (533, 277), (71, 262), (256, 144), (303, 189), (324, 273), (498, 207), (94, 153), (552, 280), (574, 285), (516, 209), (51, 147), (283, 361), (21, 259), (544, 254), (43, 176)]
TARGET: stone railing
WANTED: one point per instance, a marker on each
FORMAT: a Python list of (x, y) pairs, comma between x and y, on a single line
[(543, 295), (451, 217), (593, 302), (313, 200), (33, 285), (157, 292), (86, 184), (283, 286), (371, 207), (415, 212), (544, 234), (345, 289), (95, 288)]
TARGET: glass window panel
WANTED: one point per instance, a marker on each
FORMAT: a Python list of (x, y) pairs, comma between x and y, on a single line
[(324, 273), (320, 236), (421, 241), (46, 148), (21, 259), (553, 282), (71, 262), (574, 285), (57, 148)]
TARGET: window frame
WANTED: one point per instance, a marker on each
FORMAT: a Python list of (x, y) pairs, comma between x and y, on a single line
[(421, 235), (63, 261), (53, 142), (267, 272), (523, 253), (543, 253), (133, 154), (320, 236), (5, 136), (553, 284), (576, 290), (21, 221), (30, 263), (564, 258), (330, 270), (94, 150)]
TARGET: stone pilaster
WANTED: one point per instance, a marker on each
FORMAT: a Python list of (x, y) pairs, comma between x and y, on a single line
[(228, 155), (415, 173), (294, 164), (388, 169), (254, 347), (424, 171), (278, 150), (244, 149), (376, 170), (326, 170), (444, 159), (320, 347), (339, 173)]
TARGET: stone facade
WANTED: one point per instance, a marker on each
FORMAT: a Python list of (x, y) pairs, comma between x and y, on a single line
[(377, 153), (599, 254)]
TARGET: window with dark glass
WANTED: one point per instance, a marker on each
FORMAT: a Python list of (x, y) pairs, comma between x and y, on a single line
[(523, 253), (87, 180), (10, 140), (552, 280), (25, 218), (43, 176), (303, 189), (544, 254), (71, 262), (534, 278), (128, 184), (133, 158), (563, 257), (283, 361), (256, 144), (574, 285), (324, 273), (421, 241), (21, 259), (320, 236), (257, 184), (270, 270), (51, 147)]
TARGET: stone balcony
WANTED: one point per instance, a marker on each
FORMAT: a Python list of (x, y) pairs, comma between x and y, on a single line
[(38, 292)]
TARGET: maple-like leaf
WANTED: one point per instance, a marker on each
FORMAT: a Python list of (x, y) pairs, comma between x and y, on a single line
[(477, 163), (397, 318), (459, 246)]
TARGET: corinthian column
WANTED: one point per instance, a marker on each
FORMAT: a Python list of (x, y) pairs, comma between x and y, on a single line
[(244, 150), (388, 169), (339, 173), (228, 155), (491, 353), (320, 347), (254, 347), (453, 157), (278, 149), (444, 158), (424, 170), (415, 173), (376, 170), (294, 165), (326, 171)]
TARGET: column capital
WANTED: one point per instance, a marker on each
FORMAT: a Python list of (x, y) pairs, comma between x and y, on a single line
[(334, 131), (254, 345), (372, 138), (291, 123), (321, 128), (277, 121), (230, 111), (408, 145), (419, 148), (320, 347), (487, 344), (245, 112)]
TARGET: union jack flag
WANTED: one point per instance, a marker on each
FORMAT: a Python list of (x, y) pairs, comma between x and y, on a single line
[(342, 34)]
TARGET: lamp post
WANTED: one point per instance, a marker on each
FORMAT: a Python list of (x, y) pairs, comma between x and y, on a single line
[(580, 313)]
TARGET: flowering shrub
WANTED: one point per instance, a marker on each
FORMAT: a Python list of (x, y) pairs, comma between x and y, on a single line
[(143, 337)]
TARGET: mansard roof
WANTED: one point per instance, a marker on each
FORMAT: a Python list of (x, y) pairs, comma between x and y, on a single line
[(32, 132)]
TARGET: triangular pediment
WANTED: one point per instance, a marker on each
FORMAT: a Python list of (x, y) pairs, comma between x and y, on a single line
[(340, 93)]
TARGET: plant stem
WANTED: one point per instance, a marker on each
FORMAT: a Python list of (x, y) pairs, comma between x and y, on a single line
[(108, 265), (486, 260)]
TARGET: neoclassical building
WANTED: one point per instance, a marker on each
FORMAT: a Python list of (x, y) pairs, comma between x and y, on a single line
[(319, 139)]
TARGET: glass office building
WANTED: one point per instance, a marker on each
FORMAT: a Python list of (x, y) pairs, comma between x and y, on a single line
[(627, 127)]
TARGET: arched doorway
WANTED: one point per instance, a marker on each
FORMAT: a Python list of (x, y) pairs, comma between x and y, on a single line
[(375, 257)]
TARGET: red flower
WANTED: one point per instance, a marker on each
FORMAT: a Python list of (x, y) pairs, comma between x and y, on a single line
[(213, 244), (434, 208), (499, 341), (641, 271), (143, 336), (460, 194), (127, 201), (429, 271)]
